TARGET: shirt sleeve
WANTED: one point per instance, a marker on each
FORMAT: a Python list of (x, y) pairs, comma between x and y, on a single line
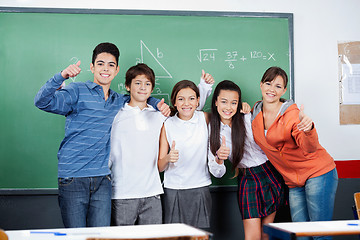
[(217, 170), (153, 102), (205, 91), (307, 141), (52, 99)]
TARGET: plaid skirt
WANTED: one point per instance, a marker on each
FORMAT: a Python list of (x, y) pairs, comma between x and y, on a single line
[(261, 191)]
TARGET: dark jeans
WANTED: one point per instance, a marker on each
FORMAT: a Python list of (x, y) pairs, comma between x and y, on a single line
[(85, 202)]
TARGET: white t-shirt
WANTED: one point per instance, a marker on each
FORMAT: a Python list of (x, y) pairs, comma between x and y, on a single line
[(134, 153), (191, 170), (253, 155)]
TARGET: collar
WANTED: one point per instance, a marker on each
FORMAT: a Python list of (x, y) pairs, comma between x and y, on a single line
[(92, 85), (224, 126), (148, 107), (194, 119)]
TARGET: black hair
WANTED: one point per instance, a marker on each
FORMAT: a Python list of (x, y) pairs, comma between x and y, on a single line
[(238, 132), (106, 47)]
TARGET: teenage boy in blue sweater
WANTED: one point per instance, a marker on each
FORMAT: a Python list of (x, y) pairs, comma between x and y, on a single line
[(84, 180)]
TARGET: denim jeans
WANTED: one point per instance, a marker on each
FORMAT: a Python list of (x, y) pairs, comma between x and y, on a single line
[(85, 202), (315, 200)]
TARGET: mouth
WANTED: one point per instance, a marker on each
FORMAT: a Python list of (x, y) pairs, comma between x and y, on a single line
[(104, 75), (227, 113), (187, 109)]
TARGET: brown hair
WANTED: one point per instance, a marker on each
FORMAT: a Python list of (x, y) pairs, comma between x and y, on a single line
[(272, 72), (176, 89), (139, 69)]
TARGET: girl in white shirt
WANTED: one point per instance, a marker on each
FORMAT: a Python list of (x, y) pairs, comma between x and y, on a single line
[(183, 156), (261, 187)]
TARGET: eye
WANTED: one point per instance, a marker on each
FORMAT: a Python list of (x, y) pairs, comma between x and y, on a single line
[(192, 98), (112, 65), (279, 87), (234, 103), (148, 84), (267, 83), (223, 101)]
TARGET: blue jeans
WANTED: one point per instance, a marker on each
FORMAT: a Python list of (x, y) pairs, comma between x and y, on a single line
[(315, 200), (85, 202)]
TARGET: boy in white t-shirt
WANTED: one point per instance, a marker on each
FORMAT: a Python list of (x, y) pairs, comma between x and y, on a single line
[(136, 184)]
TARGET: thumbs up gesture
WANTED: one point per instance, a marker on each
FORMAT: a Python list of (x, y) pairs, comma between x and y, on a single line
[(207, 77), (173, 154), (164, 108), (306, 123), (223, 152), (71, 71)]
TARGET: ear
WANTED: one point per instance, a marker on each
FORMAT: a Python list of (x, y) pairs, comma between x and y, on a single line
[(127, 88), (92, 67), (284, 91), (117, 70)]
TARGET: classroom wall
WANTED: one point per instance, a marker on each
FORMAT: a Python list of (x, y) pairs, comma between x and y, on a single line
[(37, 209), (318, 26)]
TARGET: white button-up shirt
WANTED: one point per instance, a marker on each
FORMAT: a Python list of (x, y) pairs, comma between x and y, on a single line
[(253, 155)]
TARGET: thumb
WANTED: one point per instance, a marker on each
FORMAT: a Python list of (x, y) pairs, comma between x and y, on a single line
[(173, 145), (161, 102), (301, 113), (78, 63), (202, 74), (223, 141)]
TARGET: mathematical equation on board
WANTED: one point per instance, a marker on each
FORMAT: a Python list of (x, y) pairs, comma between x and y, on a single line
[(155, 56), (234, 57)]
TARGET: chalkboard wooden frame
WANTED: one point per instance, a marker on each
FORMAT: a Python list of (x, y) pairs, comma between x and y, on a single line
[(288, 16)]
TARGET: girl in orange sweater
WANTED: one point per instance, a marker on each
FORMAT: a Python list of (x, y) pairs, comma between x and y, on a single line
[(294, 150)]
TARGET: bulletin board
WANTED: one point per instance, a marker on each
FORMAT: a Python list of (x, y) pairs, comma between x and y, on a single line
[(349, 82)]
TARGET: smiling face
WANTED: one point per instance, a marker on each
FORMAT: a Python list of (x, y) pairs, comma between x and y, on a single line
[(227, 103), (273, 90), (104, 69), (186, 103), (140, 90)]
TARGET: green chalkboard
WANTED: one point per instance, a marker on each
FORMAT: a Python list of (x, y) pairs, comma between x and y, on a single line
[(37, 43)]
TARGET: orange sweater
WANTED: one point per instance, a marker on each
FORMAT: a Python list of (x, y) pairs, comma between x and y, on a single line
[(297, 155)]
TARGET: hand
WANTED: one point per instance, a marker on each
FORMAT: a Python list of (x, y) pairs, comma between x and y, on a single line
[(306, 124), (173, 154), (245, 108), (207, 77), (71, 71), (223, 152), (164, 108)]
